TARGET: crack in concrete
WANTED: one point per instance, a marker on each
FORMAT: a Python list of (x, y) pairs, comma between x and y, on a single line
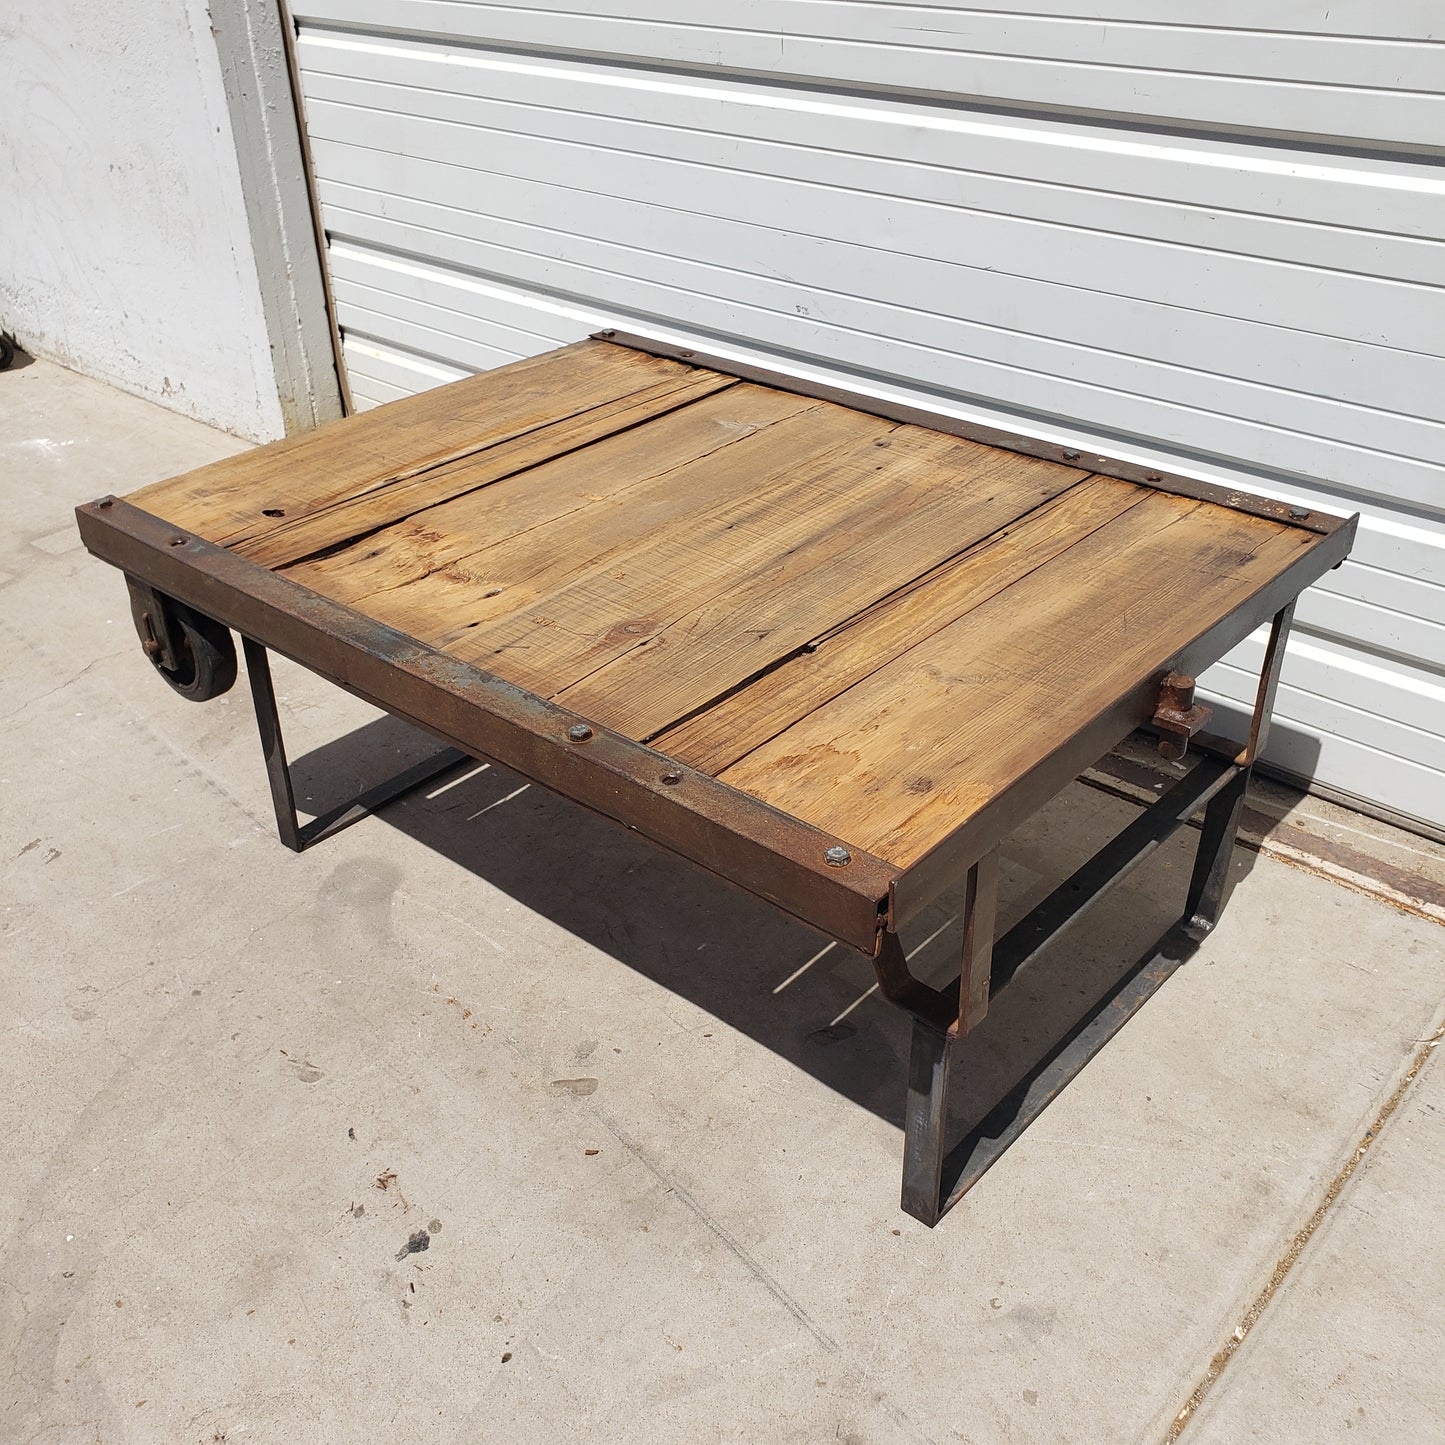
[(61, 686), (1291, 1256), (740, 1251)]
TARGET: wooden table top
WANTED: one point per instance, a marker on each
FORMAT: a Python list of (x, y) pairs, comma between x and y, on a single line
[(877, 627)]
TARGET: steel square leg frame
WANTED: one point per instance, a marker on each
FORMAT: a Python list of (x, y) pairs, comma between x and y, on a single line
[(936, 1177), (295, 834)]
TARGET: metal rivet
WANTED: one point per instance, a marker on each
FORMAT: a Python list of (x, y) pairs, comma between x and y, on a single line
[(671, 778), (837, 856), (178, 541), (579, 732), (1298, 514), (1154, 476), (1071, 456)]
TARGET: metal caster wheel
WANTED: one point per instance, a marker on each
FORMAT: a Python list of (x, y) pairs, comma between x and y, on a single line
[(193, 652)]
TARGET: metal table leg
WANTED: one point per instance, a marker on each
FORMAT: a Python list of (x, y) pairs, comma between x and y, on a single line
[(295, 834), (1221, 820), (936, 1177), (925, 1122)]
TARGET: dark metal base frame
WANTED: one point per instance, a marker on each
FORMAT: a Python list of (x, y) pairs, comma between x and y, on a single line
[(935, 1176), (295, 834)]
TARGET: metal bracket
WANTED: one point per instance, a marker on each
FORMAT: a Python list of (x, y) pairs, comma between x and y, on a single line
[(154, 623), (1178, 717), (961, 1008), (295, 834)]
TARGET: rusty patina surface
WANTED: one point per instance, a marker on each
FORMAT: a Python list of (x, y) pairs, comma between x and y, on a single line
[(733, 835)]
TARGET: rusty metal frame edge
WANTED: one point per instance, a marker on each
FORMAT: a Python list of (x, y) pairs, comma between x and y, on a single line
[(1321, 523), (919, 883), (736, 837)]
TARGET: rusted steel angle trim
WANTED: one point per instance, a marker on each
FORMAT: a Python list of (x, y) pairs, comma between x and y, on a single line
[(922, 881), (1323, 523), (739, 838)]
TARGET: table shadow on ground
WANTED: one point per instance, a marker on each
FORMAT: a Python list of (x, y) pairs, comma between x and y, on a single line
[(772, 978)]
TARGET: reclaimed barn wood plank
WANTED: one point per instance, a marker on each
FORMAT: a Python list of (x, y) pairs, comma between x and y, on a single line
[(494, 550), (841, 539), (240, 499), (678, 540), (431, 483), (869, 624), (737, 723), (901, 759)]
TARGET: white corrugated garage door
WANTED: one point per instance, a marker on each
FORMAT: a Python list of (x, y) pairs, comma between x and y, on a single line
[(1211, 247)]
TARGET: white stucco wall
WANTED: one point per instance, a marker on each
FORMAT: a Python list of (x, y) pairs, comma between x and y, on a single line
[(124, 244)]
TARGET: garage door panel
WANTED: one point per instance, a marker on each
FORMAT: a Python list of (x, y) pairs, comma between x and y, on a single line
[(380, 366), (367, 393), (1333, 676), (1363, 308), (1250, 311), (427, 341), (1271, 81), (359, 304), (1127, 394), (1386, 19), (725, 31), (1213, 185), (1005, 311), (1411, 20), (1375, 779), (1403, 593), (1407, 382), (1381, 629)]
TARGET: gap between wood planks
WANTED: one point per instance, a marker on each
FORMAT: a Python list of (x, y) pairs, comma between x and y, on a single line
[(678, 398), (865, 614)]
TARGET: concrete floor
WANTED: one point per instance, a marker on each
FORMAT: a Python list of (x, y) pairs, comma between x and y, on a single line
[(655, 1173)]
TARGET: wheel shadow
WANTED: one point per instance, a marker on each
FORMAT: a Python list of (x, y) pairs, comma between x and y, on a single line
[(808, 999)]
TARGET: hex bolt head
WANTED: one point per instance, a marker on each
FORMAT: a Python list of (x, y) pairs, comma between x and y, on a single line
[(837, 856), (579, 732), (1298, 514), (1071, 456)]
